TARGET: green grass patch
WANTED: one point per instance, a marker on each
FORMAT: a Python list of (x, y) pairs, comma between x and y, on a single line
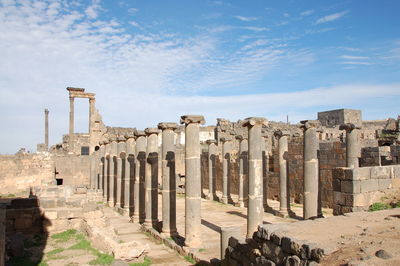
[(55, 251), (377, 206), (83, 244), (102, 259), (189, 259), (146, 262), (80, 237), (64, 236), (202, 249), (99, 202), (7, 195)]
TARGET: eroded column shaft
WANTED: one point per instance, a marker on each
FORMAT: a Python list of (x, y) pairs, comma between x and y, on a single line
[(138, 186), (283, 148), (151, 180), (243, 186)]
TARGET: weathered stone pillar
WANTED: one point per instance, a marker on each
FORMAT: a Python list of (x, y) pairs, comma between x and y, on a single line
[(91, 113), (226, 157), (193, 180), (168, 179), (352, 144), (93, 163), (112, 168), (102, 150), (121, 154), (71, 124), (46, 129), (255, 209), (129, 173), (151, 181), (106, 176), (243, 163), (283, 149), (138, 187), (212, 154), (226, 233), (311, 146)]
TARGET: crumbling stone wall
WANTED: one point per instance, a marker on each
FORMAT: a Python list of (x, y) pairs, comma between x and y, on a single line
[(24, 170), (73, 169), (356, 189)]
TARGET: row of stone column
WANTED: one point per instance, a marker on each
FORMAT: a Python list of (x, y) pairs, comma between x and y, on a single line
[(132, 163)]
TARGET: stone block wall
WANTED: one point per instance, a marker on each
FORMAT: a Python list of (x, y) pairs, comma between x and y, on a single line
[(20, 172), (24, 215), (74, 170), (2, 233), (269, 246), (356, 189)]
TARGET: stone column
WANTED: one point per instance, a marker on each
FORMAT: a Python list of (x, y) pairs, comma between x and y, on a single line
[(138, 187), (226, 157), (151, 181), (168, 179), (310, 168), (46, 129), (100, 185), (129, 173), (352, 144), (121, 154), (71, 124), (243, 186), (91, 113), (193, 180), (112, 161), (226, 233), (283, 149), (212, 153), (93, 162), (255, 209), (106, 176)]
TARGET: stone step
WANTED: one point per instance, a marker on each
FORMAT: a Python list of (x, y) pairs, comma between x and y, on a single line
[(167, 259), (125, 230), (134, 237)]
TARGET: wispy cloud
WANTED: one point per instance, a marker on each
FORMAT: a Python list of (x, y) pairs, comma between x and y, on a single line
[(352, 57), (247, 19), (356, 63), (307, 12), (252, 28), (92, 11), (331, 17)]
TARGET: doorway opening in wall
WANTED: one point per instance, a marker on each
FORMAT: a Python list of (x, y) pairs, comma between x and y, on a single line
[(59, 181)]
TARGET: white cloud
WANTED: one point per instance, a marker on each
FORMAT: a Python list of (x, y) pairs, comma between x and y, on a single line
[(307, 12), (93, 10), (352, 57), (331, 17), (356, 63), (252, 28), (247, 19)]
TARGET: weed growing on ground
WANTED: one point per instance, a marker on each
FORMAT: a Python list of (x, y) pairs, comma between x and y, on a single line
[(64, 236), (189, 259), (146, 262), (202, 249), (102, 259), (55, 251), (379, 206)]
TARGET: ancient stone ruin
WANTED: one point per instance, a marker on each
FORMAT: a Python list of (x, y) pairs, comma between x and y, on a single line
[(251, 192)]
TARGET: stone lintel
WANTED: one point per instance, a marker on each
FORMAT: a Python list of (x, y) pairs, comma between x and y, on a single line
[(252, 121), (167, 125), (188, 119), (225, 139), (75, 89), (280, 133), (210, 141), (121, 138), (140, 133), (151, 130), (349, 127), (306, 124)]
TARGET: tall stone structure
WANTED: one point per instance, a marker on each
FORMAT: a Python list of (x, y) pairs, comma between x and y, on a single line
[(46, 129), (129, 173), (139, 187), (353, 148), (212, 155), (193, 179), (283, 149), (255, 209), (168, 179), (226, 158), (310, 168), (151, 180)]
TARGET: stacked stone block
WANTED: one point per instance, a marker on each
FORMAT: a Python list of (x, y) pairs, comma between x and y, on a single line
[(356, 189)]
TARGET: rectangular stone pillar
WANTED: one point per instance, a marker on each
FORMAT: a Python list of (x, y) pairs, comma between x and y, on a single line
[(139, 188), (193, 180), (151, 181), (255, 209), (212, 154), (310, 168), (243, 162), (168, 179), (46, 129)]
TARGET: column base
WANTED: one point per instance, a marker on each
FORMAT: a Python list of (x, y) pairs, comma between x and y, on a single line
[(110, 203), (240, 204), (135, 218), (170, 233), (224, 199)]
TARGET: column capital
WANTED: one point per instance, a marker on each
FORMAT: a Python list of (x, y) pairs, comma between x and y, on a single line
[(140, 133), (211, 141), (151, 130), (167, 125), (240, 137), (112, 139), (131, 134), (252, 121), (121, 138), (225, 139), (71, 98), (306, 124), (46, 111), (280, 133), (188, 119), (349, 127)]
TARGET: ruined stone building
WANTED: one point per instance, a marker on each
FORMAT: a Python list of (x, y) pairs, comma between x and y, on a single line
[(338, 161)]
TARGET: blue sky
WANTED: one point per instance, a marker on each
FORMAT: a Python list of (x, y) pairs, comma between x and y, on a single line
[(152, 61)]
